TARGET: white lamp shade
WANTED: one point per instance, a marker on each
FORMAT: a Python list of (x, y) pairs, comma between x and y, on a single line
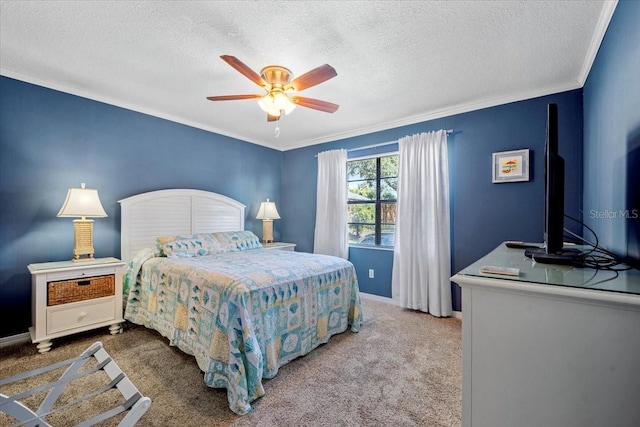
[(82, 202), (268, 211)]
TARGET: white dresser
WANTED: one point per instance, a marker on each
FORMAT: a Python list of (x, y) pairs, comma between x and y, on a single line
[(555, 346)]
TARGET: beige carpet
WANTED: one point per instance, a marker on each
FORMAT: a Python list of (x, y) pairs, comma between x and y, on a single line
[(402, 369)]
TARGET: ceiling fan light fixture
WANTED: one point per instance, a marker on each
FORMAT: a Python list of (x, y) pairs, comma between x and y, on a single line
[(279, 100), (268, 106), (283, 102), (277, 81), (275, 103)]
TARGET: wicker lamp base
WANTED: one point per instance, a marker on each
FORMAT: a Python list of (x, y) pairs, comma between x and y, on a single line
[(83, 240), (267, 231)]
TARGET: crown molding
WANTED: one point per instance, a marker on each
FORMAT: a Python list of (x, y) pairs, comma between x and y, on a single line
[(438, 114), (596, 39)]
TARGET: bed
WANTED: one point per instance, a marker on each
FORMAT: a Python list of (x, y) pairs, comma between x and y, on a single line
[(243, 311)]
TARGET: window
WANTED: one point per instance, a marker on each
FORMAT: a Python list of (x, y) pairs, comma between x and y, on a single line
[(371, 197)]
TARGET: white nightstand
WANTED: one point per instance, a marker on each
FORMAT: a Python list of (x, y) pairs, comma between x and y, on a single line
[(280, 245), (69, 297)]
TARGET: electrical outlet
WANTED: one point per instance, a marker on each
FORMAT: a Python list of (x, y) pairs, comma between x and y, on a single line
[(371, 275)]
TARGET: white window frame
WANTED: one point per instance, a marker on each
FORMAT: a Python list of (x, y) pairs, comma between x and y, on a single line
[(378, 224)]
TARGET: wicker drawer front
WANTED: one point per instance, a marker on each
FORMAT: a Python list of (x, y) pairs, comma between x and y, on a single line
[(67, 291)]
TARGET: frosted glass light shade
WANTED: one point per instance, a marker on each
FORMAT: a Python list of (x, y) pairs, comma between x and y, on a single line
[(275, 103), (267, 105)]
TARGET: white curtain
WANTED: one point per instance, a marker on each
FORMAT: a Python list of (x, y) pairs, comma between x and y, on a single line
[(422, 258), (330, 236)]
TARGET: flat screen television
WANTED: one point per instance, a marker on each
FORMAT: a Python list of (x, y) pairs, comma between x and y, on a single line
[(553, 251)]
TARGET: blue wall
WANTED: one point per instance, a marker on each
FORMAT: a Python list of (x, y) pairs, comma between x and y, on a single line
[(483, 214), (51, 141), (612, 135)]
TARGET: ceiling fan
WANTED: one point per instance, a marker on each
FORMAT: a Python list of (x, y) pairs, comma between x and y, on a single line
[(276, 80)]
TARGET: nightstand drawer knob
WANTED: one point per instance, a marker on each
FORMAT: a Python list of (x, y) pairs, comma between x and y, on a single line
[(81, 316)]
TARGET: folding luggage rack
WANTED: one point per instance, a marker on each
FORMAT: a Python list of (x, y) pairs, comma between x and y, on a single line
[(134, 402)]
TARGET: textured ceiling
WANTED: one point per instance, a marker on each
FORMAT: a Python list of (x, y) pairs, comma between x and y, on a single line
[(398, 62)]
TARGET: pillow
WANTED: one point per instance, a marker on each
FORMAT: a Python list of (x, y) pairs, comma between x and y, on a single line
[(232, 241), (188, 246)]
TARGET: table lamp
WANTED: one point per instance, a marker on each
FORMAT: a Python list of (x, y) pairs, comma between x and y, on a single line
[(267, 214), (82, 202)]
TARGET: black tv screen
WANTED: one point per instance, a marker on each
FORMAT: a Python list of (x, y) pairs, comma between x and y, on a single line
[(553, 251), (553, 186)]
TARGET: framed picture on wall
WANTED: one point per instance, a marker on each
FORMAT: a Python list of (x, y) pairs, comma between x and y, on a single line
[(510, 166)]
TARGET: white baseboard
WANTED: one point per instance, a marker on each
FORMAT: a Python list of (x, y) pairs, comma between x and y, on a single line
[(15, 339), (455, 314), (380, 299)]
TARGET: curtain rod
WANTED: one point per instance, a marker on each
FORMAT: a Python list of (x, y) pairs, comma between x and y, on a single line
[(382, 144)]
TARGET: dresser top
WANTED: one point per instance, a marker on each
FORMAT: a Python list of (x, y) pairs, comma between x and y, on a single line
[(627, 281)]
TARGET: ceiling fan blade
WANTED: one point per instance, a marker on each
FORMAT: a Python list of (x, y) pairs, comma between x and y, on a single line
[(245, 70), (232, 97), (316, 104), (312, 78), (271, 118)]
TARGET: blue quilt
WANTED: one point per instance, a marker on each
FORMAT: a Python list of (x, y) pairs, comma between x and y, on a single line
[(243, 314)]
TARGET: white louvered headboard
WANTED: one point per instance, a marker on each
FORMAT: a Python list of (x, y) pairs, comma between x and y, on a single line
[(175, 212)]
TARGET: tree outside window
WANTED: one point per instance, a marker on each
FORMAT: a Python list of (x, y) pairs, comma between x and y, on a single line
[(372, 193)]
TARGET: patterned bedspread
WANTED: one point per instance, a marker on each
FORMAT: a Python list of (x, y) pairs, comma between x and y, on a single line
[(243, 314)]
